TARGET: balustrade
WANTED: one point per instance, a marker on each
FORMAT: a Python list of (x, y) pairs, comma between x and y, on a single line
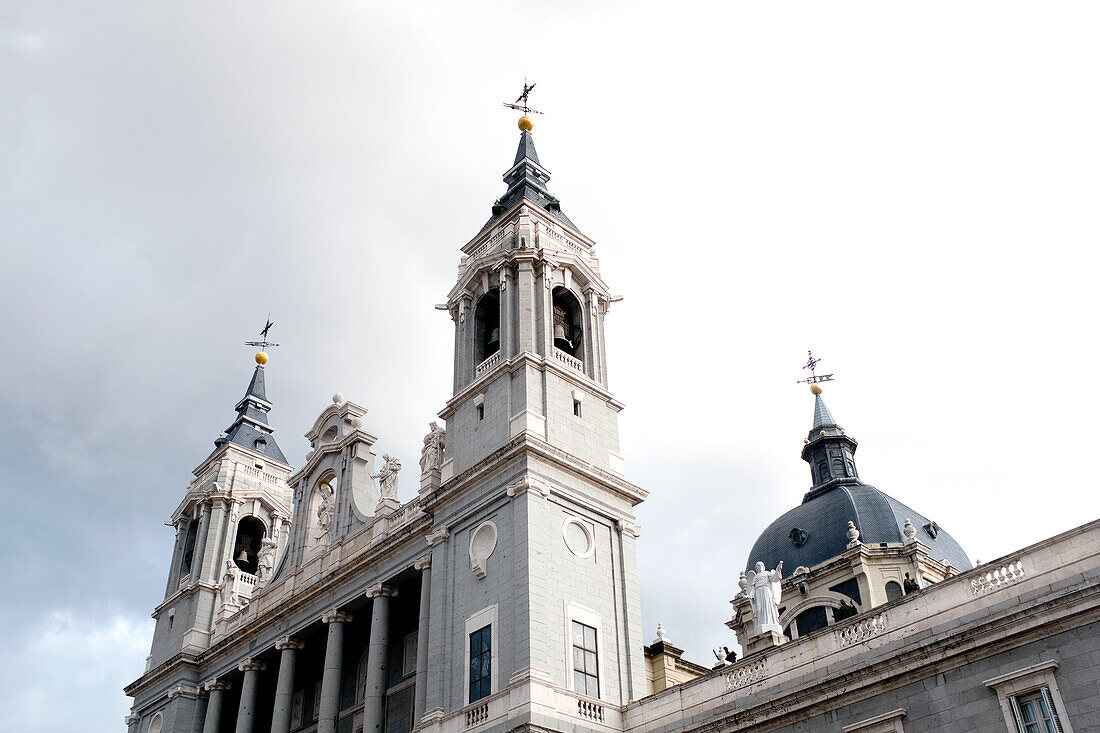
[(988, 581), (570, 361)]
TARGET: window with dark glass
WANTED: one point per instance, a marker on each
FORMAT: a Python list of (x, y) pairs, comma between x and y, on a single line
[(893, 591), (481, 645), (586, 676)]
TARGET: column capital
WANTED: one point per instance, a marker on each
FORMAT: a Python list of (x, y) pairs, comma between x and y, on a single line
[(423, 563), (288, 643), (182, 690), (336, 615), (627, 527), (439, 535), (216, 685), (251, 665), (381, 589)]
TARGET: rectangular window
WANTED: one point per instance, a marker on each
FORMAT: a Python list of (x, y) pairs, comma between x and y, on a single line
[(586, 675), (1035, 712), (481, 646), (481, 412), (408, 665), (577, 408)]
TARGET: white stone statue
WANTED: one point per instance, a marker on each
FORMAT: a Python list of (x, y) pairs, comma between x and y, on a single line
[(387, 477), (766, 589), (431, 455), (265, 565), (228, 587), (325, 510)]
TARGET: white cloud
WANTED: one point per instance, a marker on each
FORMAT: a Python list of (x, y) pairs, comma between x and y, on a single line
[(68, 673)]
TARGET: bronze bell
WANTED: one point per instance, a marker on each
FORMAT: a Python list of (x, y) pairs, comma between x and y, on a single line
[(494, 337), (243, 557), (560, 339)]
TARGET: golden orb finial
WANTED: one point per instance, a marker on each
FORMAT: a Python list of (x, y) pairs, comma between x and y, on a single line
[(526, 124), (815, 388), (261, 357)]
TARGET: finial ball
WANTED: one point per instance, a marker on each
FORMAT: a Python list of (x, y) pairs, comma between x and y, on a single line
[(815, 388), (261, 357), (526, 124), (338, 399)]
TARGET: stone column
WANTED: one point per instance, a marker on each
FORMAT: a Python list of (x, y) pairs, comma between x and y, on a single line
[(424, 565), (200, 541), (331, 677), (214, 706), (246, 713), (374, 696), (177, 558), (284, 689)]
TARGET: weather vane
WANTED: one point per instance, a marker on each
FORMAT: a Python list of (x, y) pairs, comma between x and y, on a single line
[(814, 377), (521, 100), (263, 343)]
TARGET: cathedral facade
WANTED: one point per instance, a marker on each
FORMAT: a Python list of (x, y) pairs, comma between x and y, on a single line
[(504, 597)]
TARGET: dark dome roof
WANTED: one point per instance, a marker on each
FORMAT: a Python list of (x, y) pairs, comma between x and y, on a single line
[(824, 518)]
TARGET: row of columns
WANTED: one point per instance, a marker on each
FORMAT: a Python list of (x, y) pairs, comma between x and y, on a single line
[(329, 706)]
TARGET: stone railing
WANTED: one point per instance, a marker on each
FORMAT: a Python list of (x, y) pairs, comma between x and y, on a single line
[(485, 366), (246, 584), (257, 473), (590, 710), (407, 513), (565, 240), (998, 578), (477, 715), (861, 630), (570, 361), (746, 673)]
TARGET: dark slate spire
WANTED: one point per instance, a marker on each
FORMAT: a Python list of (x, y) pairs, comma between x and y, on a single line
[(250, 430), (527, 179), (830, 453), (822, 416)]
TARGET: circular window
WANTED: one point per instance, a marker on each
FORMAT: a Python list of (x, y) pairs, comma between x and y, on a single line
[(578, 537)]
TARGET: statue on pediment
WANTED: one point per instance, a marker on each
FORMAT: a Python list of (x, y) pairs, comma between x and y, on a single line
[(431, 455), (387, 477)]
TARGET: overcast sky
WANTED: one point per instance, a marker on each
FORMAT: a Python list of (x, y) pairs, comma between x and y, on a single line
[(908, 189)]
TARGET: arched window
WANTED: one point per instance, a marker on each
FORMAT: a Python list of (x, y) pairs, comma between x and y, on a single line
[(246, 548), (189, 547), (487, 325), (893, 591), (156, 723), (568, 331), (811, 620)]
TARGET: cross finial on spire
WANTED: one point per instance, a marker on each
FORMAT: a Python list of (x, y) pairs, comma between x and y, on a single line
[(814, 378), (263, 343), (525, 123)]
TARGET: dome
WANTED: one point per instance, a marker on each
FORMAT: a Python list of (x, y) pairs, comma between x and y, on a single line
[(823, 520)]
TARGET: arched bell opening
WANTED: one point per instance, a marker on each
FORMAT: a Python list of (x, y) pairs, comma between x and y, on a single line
[(487, 325), (568, 331), (246, 548), (189, 548)]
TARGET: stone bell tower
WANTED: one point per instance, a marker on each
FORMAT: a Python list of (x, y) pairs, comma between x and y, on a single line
[(534, 535), (231, 530), (530, 303)]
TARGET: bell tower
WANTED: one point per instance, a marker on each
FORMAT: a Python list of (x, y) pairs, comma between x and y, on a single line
[(535, 538), (231, 529), (529, 309)]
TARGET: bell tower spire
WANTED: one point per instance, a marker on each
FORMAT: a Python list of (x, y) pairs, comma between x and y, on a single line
[(830, 453)]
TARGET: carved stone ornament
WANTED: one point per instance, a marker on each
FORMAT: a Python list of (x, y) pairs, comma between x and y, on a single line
[(909, 531), (766, 589), (853, 535), (482, 543)]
